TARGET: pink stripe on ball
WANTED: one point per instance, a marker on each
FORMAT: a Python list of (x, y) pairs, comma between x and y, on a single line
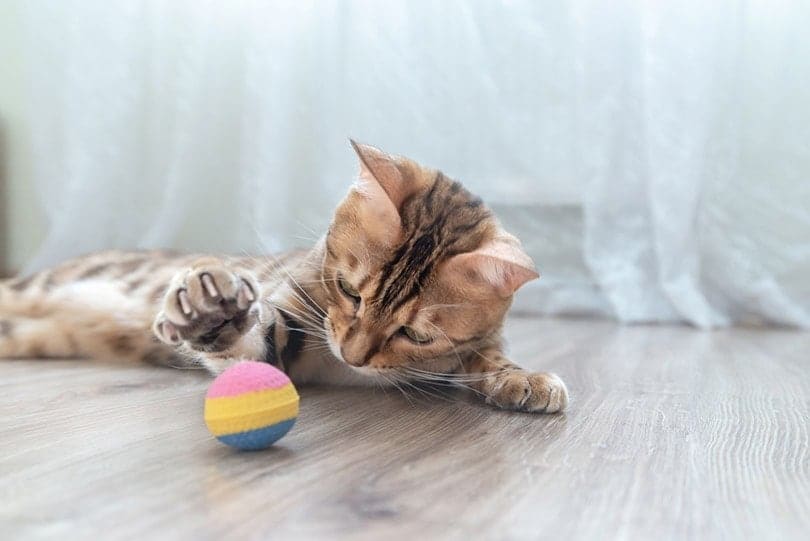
[(247, 377)]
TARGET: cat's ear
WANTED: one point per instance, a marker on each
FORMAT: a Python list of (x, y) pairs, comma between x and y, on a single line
[(386, 171), (500, 264), (373, 207)]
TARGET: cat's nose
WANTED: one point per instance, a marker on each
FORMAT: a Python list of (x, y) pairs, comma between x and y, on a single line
[(359, 353), (353, 358), (359, 348), (343, 354)]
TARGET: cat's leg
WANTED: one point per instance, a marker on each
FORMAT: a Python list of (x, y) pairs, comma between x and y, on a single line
[(508, 386), (213, 312)]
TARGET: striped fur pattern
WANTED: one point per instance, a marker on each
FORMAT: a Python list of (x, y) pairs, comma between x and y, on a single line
[(411, 282)]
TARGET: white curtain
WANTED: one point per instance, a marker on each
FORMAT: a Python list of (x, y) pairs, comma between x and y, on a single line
[(653, 156)]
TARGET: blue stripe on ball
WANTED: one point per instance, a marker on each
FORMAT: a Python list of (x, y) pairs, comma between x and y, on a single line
[(254, 440)]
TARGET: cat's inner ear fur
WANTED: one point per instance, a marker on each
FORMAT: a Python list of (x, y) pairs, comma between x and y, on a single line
[(396, 176), (383, 185), (500, 265)]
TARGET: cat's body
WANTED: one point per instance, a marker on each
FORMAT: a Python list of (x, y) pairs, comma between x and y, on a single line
[(105, 305), (411, 282)]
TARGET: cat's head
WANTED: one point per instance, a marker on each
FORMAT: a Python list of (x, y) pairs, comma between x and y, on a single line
[(416, 269)]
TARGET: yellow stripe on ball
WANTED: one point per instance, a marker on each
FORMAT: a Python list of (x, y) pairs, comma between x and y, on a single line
[(250, 411)]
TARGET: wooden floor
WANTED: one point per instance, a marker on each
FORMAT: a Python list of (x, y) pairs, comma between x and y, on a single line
[(672, 434)]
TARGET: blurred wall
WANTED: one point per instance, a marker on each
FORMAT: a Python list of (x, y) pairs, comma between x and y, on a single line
[(22, 225)]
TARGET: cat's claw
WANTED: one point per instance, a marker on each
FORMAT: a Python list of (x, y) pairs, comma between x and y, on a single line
[(526, 391), (166, 331), (208, 307)]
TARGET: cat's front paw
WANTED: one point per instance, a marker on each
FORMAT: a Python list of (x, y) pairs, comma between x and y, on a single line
[(526, 391), (209, 307)]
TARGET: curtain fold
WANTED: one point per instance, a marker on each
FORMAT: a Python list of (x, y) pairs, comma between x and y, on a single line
[(654, 157)]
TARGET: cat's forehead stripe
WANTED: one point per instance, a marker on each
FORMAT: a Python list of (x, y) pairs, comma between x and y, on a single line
[(405, 274), (435, 223)]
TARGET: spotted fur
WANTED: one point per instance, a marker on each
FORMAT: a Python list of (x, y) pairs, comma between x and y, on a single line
[(411, 282)]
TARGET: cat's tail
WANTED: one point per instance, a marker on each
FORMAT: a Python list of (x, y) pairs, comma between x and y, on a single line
[(25, 328), (79, 319)]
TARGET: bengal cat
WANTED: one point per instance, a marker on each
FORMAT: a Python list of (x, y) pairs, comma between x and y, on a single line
[(411, 281)]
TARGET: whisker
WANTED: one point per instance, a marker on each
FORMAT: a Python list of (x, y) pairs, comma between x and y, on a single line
[(279, 264), (426, 392), (394, 383), (309, 317)]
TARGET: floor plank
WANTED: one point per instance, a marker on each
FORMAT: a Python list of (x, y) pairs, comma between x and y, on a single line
[(672, 433)]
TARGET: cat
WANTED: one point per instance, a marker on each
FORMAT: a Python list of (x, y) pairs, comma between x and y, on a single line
[(412, 281)]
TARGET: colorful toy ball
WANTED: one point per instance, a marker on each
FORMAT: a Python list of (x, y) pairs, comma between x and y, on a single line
[(250, 406)]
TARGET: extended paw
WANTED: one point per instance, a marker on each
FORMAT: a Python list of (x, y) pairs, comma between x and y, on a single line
[(525, 391), (209, 307)]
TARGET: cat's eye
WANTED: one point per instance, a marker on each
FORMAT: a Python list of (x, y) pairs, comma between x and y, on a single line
[(348, 289), (415, 336)]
